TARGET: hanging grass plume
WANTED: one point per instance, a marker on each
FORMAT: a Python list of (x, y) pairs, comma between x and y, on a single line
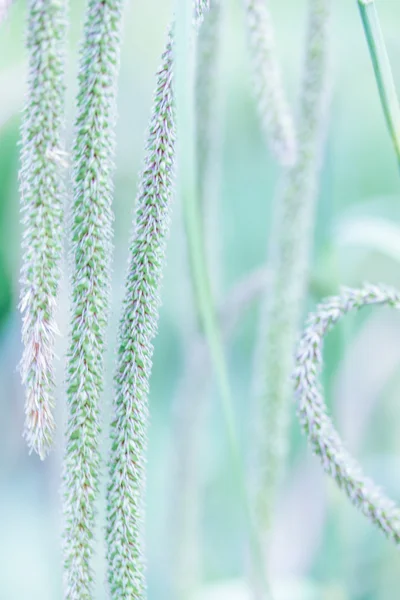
[(138, 326), (273, 107), (323, 437), (290, 247), (91, 241), (42, 197)]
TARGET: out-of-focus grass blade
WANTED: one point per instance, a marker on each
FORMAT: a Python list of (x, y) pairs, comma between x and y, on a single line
[(383, 71), (374, 233)]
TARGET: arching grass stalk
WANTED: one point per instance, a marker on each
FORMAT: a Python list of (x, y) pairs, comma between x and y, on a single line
[(323, 437), (382, 69), (91, 249), (275, 114), (186, 135), (42, 197), (291, 240)]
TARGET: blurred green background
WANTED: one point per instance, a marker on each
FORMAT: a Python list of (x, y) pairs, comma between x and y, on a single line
[(322, 548)]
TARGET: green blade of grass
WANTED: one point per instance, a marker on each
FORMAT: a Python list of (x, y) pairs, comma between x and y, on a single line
[(382, 69)]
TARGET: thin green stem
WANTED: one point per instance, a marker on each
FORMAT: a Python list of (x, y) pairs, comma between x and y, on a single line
[(189, 413), (382, 69), (186, 136), (191, 408)]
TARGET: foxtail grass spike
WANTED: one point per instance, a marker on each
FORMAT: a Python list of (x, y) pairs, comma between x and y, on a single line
[(274, 109), (91, 249), (290, 247), (42, 198), (382, 69), (138, 327), (322, 435)]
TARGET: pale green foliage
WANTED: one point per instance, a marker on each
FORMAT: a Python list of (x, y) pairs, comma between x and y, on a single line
[(91, 242), (42, 214), (292, 235), (323, 437), (138, 326), (275, 114)]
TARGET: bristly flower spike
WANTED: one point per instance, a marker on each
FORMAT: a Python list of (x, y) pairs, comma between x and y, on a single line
[(42, 198), (91, 250), (322, 435), (138, 326)]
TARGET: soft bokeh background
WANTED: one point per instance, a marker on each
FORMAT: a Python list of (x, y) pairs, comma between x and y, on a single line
[(322, 548)]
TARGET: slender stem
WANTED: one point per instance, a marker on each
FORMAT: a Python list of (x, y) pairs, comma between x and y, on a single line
[(192, 398), (191, 407), (186, 136), (382, 69), (209, 127)]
